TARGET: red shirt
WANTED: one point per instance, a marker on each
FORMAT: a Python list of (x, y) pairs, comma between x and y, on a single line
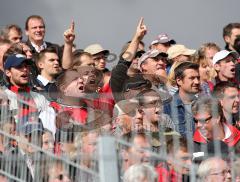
[(167, 175), (105, 100), (26, 104)]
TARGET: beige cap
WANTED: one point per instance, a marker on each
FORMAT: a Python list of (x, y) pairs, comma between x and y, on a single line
[(178, 49), (95, 49)]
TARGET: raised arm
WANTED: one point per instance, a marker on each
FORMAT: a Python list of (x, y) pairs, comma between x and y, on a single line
[(133, 46), (69, 36), (119, 72)]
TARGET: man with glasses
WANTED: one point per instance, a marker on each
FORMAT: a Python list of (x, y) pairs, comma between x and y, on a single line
[(153, 117), (127, 117), (99, 55), (211, 124), (214, 169)]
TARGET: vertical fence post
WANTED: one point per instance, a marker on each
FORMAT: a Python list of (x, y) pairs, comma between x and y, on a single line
[(108, 164)]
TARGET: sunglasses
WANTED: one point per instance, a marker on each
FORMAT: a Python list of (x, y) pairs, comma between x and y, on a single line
[(203, 121)]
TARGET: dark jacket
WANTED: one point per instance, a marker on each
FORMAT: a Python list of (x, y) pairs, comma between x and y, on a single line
[(49, 44), (121, 82)]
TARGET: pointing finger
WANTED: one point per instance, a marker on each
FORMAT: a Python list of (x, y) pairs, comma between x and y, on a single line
[(72, 26), (140, 22)]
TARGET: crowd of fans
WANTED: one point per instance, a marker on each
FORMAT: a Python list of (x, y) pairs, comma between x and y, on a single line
[(177, 109)]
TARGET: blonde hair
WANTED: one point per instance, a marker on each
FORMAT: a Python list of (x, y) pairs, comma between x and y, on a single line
[(201, 55)]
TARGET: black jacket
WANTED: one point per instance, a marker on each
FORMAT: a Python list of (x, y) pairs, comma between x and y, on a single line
[(120, 82), (49, 44)]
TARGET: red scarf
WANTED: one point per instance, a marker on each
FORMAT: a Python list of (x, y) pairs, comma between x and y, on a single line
[(167, 175), (78, 114), (26, 105)]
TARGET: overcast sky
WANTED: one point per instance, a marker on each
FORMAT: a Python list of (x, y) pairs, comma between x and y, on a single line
[(113, 22)]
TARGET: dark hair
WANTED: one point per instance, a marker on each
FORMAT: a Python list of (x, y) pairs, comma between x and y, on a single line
[(220, 88), (33, 17), (65, 78), (77, 58), (4, 41), (174, 145), (179, 71), (141, 96), (39, 57), (237, 44), (141, 42), (227, 30), (77, 53)]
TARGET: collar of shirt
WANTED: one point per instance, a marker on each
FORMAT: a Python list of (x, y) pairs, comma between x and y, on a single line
[(178, 100), (39, 48), (227, 131), (43, 80)]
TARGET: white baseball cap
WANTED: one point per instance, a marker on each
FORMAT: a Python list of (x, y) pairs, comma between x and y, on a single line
[(223, 54)]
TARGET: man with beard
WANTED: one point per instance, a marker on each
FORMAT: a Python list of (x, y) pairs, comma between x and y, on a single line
[(188, 81), (28, 103), (225, 65)]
